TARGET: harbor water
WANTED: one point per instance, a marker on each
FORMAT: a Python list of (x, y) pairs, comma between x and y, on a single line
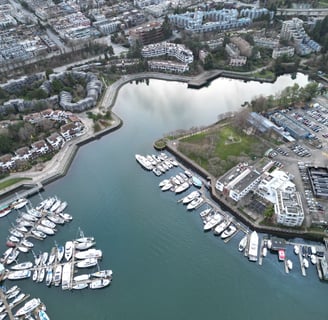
[(164, 265)]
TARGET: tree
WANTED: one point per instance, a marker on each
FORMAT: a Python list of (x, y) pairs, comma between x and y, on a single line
[(269, 212), (5, 144)]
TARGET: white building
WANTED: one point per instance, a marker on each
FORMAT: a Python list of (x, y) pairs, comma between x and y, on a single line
[(283, 51), (288, 208)]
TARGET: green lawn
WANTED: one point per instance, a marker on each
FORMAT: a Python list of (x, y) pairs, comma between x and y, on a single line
[(10, 182)]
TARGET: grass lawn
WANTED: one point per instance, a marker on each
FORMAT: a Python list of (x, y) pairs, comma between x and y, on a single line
[(9, 182), (220, 149)]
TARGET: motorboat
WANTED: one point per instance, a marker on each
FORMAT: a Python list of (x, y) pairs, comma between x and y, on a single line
[(37, 259), (195, 203), (19, 203), (43, 315), (62, 207), (35, 275), (28, 307), (46, 230), (56, 219), (52, 256), (253, 246), (22, 266), (183, 187), (4, 211), (204, 213), (14, 239), (27, 243), (17, 300), (44, 258), (47, 223), (11, 244), (190, 197), (289, 264), (90, 253), (29, 217), (41, 275), (12, 289), (221, 226), (55, 206), (197, 182), (99, 283), (228, 232), (57, 275), (12, 257), (81, 277), (243, 243), (16, 233), (49, 203), (13, 294), (144, 162), (314, 259), (84, 239), (35, 213), (21, 228), (264, 251), (163, 182), (60, 253), (281, 255), (68, 250), (305, 263), (49, 275), (24, 222), (84, 245), (87, 263), (80, 286), (157, 171), (38, 234), (167, 186), (22, 248), (66, 216), (102, 274), (296, 249), (19, 274), (176, 181)]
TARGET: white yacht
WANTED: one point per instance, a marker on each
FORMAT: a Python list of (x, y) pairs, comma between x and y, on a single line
[(253, 246), (289, 264), (214, 220), (22, 266), (99, 283), (296, 249), (84, 245), (19, 274), (90, 253), (87, 263), (68, 250), (102, 274), (221, 227), (190, 197), (57, 275), (19, 203), (243, 243), (183, 187), (228, 232), (28, 307), (195, 203)]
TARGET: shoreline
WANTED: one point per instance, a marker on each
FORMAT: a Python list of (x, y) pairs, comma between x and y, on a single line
[(59, 165)]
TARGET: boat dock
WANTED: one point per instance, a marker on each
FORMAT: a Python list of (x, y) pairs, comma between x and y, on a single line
[(9, 308)]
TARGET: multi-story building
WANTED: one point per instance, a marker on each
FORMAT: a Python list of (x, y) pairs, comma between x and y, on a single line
[(288, 208), (266, 42), (149, 33), (169, 66), (283, 51), (180, 52), (244, 47)]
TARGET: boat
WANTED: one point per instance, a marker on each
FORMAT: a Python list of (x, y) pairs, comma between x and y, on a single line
[(68, 250), (29, 217), (57, 276), (196, 182), (144, 162), (205, 212), (23, 248), (55, 206), (38, 234), (12, 257), (163, 182), (90, 253), (56, 219), (11, 244), (84, 239), (41, 274), (35, 213), (12, 289), (4, 211), (35, 275), (17, 300), (87, 263), (27, 243), (102, 274), (16, 233), (305, 263), (24, 222), (167, 186), (289, 264), (21, 228), (49, 203), (66, 216), (44, 258), (13, 239), (84, 245), (264, 251), (190, 197), (243, 243), (183, 187), (28, 307), (19, 203), (253, 246), (228, 232), (22, 266), (37, 259), (296, 249), (314, 259), (99, 283), (47, 223), (46, 230), (43, 315), (81, 277), (157, 171), (62, 207), (52, 256), (281, 255), (269, 244), (60, 253), (13, 294), (220, 226), (49, 275), (80, 286), (19, 274), (195, 203)]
